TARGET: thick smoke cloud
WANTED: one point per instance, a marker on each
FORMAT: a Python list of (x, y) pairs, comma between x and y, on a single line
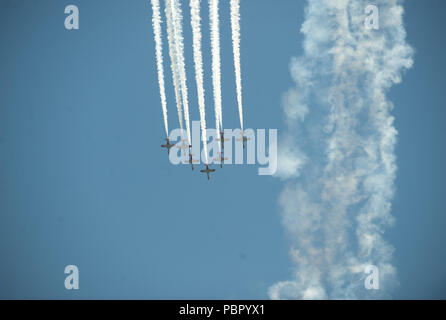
[(337, 157)]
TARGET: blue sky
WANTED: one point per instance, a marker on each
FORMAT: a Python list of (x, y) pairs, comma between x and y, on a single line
[(83, 180)]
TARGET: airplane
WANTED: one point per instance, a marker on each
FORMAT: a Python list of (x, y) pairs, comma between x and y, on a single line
[(222, 139), (168, 146), (220, 159), (184, 146), (207, 171), (244, 139), (191, 160)]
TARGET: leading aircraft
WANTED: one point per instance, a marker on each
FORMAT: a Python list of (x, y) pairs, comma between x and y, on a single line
[(207, 171)]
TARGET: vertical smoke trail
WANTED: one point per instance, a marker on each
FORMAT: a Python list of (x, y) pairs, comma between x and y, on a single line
[(216, 73), (196, 35), (335, 211), (174, 64), (156, 20), (235, 26), (177, 20)]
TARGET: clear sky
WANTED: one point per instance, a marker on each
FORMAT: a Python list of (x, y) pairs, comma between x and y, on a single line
[(83, 180)]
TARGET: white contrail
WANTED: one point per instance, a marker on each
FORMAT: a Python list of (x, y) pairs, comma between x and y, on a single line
[(216, 70), (156, 20), (336, 209), (177, 20), (196, 35), (235, 26), (173, 60)]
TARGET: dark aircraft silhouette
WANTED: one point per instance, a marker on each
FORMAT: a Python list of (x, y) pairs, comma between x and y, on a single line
[(207, 171), (220, 159), (191, 160), (168, 146), (222, 139), (243, 139)]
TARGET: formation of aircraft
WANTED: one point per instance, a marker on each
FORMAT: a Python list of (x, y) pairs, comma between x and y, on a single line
[(191, 161), (174, 18)]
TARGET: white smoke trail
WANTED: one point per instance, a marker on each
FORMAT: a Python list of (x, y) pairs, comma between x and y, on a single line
[(196, 35), (335, 212), (156, 20), (235, 26), (173, 60), (177, 20), (216, 70)]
